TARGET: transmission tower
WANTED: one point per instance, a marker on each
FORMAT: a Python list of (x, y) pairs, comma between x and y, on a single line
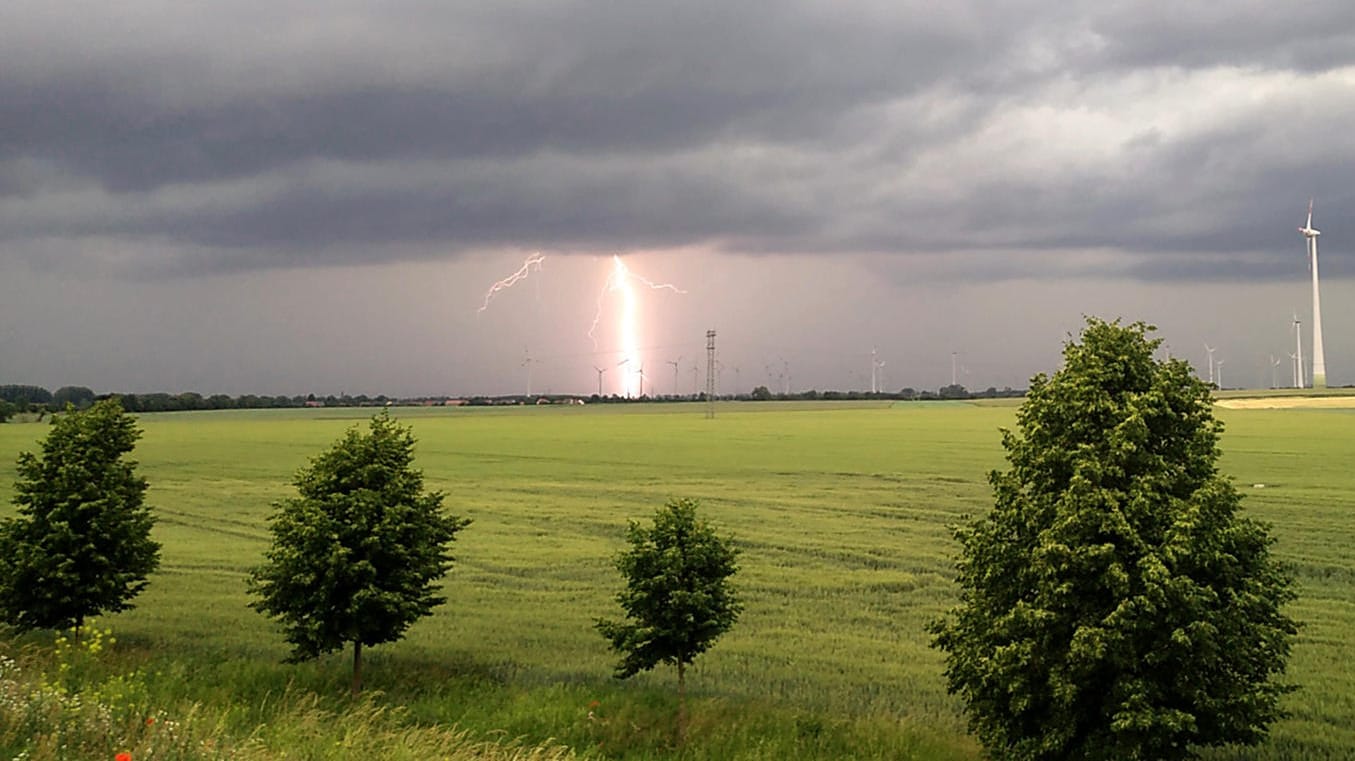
[(710, 374)]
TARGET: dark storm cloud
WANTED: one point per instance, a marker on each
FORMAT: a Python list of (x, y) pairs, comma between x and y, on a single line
[(252, 136)]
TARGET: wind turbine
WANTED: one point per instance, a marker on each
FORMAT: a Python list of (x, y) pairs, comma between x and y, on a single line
[(1319, 363), (527, 362), (674, 363), (600, 370), (1274, 363), (1298, 342), (1210, 349), (875, 366), (1219, 369), (640, 371), (1294, 367)]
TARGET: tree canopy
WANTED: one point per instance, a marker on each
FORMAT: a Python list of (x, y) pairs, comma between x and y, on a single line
[(1114, 604), (357, 555), (80, 544)]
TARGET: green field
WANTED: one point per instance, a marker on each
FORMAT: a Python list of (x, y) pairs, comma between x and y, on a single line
[(841, 512)]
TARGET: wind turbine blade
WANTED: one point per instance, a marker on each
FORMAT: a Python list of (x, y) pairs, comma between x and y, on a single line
[(1310, 213)]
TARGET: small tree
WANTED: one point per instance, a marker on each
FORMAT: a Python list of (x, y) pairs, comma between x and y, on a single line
[(1113, 604), (677, 599), (81, 542), (357, 556)]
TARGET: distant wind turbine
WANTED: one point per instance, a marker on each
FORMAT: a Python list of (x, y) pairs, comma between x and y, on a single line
[(1210, 349), (600, 370), (1274, 363), (675, 363), (1319, 363), (527, 362), (1218, 369), (1298, 357)]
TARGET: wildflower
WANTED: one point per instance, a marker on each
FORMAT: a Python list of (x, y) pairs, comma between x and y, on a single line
[(123, 757), (150, 721)]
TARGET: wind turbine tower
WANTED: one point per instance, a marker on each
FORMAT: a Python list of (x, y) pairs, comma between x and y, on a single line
[(1319, 362), (600, 370), (1210, 349)]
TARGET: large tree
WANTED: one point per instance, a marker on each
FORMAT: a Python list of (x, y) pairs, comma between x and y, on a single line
[(81, 542), (357, 556), (1114, 604), (677, 599)]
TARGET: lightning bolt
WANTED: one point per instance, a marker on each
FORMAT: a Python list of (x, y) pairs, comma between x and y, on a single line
[(532, 261), (619, 280)]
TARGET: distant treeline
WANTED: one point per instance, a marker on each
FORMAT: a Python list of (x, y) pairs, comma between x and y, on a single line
[(40, 400), (36, 399)]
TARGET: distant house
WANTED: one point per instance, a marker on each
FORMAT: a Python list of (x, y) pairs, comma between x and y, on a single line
[(314, 403)]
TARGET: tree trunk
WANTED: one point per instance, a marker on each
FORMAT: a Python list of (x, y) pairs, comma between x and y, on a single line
[(357, 667), (682, 704)]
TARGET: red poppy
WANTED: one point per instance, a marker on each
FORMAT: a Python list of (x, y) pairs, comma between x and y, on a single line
[(149, 721), (123, 757)]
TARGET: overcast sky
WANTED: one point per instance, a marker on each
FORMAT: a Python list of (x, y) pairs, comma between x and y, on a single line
[(287, 197)]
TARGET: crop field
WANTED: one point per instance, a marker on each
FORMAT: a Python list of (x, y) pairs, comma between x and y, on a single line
[(841, 514)]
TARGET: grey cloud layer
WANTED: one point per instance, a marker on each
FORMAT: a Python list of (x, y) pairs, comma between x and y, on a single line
[(259, 135)]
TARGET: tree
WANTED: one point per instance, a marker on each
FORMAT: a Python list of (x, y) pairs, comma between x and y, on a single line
[(7, 411), (677, 599), (24, 396), (81, 542), (356, 557), (1113, 604), (80, 396)]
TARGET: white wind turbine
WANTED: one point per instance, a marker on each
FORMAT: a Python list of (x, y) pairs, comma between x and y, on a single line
[(1319, 363), (675, 364), (1218, 377), (527, 362), (1274, 363), (1299, 380), (1210, 349), (1294, 367), (600, 370)]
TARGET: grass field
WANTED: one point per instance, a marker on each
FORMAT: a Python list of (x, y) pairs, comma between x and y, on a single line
[(841, 512)]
